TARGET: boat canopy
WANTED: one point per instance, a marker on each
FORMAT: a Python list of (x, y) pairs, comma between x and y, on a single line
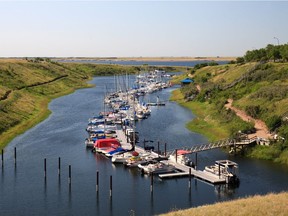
[(182, 152), (101, 143)]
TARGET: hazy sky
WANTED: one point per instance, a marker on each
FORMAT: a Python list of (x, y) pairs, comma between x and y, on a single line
[(139, 28)]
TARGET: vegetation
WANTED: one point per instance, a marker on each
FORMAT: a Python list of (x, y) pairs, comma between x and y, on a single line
[(258, 88), (270, 204), (27, 86)]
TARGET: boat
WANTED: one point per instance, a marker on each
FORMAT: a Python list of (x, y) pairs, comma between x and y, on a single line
[(181, 158), (121, 158), (106, 145), (135, 160), (116, 151), (224, 169), (156, 167)]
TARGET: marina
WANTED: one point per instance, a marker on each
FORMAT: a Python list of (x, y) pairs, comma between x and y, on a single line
[(63, 136), (120, 124)]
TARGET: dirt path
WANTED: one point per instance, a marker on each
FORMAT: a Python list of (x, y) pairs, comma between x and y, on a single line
[(261, 128)]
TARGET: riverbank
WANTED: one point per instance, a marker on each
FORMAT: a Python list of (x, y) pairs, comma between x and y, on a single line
[(271, 204), (27, 87), (258, 90)]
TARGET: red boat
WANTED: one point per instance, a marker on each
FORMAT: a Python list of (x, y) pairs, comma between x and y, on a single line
[(104, 145)]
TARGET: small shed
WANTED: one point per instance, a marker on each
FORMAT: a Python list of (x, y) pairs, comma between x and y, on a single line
[(187, 81)]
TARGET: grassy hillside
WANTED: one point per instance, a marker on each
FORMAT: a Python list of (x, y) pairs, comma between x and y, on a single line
[(271, 204), (261, 90), (27, 86)]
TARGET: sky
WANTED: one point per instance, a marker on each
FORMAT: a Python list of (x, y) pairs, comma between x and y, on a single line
[(139, 28)]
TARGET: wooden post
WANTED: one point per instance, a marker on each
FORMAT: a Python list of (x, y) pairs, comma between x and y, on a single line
[(2, 158), (158, 145), (176, 154), (151, 183), (219, 170), (97, 181), (165, 149), (45, 169), (59, 166), (110, 185), (189, 178), (69, 179), (196, 161), (15, 156)]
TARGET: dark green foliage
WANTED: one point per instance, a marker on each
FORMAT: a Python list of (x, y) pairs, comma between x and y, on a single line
[(253, 111), (274, 122), (201, 65), (271, 52)]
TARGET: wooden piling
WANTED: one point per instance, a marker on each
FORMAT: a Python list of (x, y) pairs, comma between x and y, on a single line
[(45, 168), (165, 150), (59, 166), (15, 156), (196, 161), (158, 146), (219, 170), (69, 179), (2, 158), (176, 154), (151, 183), (189, 178), (97, 181), (110, 185)]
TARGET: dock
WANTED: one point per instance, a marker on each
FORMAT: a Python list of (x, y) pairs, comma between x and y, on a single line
[(184, 171)]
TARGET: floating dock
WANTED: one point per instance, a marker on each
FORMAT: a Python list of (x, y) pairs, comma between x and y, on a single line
[(183, 170)]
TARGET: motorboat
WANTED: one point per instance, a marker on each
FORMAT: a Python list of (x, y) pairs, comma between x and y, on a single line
[(106, 145), (224, 169), (156, 167)]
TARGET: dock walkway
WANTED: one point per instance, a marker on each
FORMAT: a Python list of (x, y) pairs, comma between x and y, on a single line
[(184, 171)]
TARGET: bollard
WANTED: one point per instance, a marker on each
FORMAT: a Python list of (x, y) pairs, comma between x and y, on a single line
[(111, 186), (151, 183), (59, 166), (97, 181)]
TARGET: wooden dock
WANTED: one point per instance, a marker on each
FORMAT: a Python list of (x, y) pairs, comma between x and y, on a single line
[(184, 171)]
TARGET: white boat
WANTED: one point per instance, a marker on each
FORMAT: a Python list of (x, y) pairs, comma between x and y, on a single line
[(224, 169), (156, 167)]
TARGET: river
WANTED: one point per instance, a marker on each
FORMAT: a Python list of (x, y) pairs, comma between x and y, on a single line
[(24, 190)]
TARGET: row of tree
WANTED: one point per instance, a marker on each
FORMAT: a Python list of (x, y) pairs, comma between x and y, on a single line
[(271, 52)]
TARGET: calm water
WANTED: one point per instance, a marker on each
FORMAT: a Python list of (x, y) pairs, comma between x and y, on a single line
[(154, 63), (24, 191)]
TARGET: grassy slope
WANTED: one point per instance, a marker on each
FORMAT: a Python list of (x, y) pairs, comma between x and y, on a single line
[(271, 204), (26, 88), (266, 87)]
